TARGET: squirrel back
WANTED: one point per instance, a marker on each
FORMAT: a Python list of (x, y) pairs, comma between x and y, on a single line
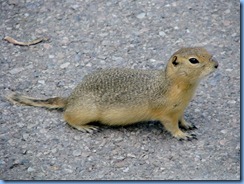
[(118, 87)]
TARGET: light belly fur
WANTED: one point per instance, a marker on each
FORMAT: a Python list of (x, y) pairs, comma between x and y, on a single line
[(125, 116)]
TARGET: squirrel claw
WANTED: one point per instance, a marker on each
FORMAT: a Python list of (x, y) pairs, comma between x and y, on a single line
[(191, 137), (187, 137), (193, 127)]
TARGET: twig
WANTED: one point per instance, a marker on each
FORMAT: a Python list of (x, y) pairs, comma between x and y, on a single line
[(33, 42)]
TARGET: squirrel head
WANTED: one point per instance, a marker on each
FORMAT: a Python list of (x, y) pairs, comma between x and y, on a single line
[(191, 64)]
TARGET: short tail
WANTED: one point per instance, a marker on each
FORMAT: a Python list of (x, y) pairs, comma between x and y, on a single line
[(50, 103)]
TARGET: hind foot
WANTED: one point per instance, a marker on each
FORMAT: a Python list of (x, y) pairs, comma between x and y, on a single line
[(86, 128)]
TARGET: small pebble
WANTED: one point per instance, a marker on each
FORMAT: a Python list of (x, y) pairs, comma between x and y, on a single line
[(89, 64), (227, 11), (85, 154), (197, 110), (41, 81), (74, 7), (126, 169), (51, 56), (162, 168), (30, 169), (141, 15), (131, 155), (118, 139), (76, 153), (119, 157), (223, 131), (222, 142), (231, 102), (54, 150), (77, 137), (161, 33), (65, 41), (228, 70), (25, 136), (65, 65)]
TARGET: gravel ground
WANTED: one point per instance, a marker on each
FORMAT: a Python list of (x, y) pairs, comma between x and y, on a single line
[(91, 35)]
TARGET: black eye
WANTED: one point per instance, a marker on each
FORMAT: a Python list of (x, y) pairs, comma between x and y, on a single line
[(193, 60)]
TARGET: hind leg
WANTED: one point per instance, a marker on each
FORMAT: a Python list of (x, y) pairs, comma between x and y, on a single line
[(80, 120)]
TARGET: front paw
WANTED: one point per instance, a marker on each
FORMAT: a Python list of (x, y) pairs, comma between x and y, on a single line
[(184, 136), (186, 126)]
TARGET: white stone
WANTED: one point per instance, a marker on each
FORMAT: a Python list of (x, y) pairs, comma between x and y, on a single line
[(228, 69), (197, 110), (65, 65), (126, 169), (30, 169), (141, 15), (131, 155), (89, 64), (223, 131), (161, 33), (54, 150), (41, 81), (231, 101)]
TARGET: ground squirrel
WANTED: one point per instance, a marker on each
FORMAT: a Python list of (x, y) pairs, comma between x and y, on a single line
[(126, 96)]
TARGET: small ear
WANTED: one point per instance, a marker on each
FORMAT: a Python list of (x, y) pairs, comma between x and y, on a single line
[(174, 61)]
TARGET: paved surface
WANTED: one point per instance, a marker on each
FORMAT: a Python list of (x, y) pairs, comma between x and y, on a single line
[(90, 35)]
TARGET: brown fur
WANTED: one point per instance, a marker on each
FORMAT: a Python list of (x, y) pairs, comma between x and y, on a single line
[(126, 96), (50, 103)]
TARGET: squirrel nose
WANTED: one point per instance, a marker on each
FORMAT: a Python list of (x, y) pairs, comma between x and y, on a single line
[(216, 64)]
